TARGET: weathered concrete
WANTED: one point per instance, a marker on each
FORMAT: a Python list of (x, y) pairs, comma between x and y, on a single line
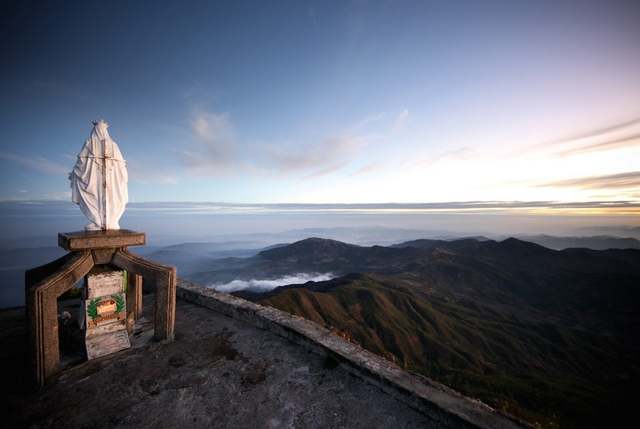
[(89, 240), (43, 286), (220, 372)]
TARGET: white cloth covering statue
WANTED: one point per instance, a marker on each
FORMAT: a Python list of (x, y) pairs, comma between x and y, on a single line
[(99, 180)]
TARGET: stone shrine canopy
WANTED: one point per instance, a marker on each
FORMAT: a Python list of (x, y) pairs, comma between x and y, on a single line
[(87, 249)]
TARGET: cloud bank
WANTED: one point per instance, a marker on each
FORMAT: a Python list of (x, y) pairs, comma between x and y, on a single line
[(264, 285)]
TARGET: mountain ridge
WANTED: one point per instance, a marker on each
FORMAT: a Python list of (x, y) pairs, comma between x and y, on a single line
[(492, 319)]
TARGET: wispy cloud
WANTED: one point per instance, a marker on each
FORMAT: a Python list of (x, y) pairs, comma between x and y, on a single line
[(332, 154), (463, 153), (623, 134), (314, 160), (149, 172), (38, 163), (60, 196), (611, 181), (602, 131), (459, 154), (401, 119), (368, 169), (367, 122), (215, 153), (444, 207), (633, 140), (215, 150)]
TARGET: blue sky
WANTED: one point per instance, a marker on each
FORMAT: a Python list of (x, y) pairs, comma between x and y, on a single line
[(328, 101)]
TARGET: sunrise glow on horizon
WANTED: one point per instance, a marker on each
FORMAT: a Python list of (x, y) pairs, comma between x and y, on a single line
[(361, 102)]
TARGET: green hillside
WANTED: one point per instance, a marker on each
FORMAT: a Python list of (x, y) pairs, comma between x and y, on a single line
[(550, 374)]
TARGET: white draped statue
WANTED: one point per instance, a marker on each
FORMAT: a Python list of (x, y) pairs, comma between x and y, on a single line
[(99, 180)]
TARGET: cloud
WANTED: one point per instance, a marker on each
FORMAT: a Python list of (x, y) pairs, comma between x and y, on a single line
[(64, 196), (320, 208), (215, 150), (215, 153), (609, 144), (318, 159), (602, 131), (368, 169), (148, 172), (463, 153), (401, 119), (610, 181), (615, 136), (38, 163), (331, 154), (263, 285), (367, 122)]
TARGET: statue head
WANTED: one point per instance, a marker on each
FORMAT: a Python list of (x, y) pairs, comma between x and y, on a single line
[(101, 122), (100, 130)]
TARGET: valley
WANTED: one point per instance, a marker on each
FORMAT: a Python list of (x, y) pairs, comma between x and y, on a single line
[(548, 336)]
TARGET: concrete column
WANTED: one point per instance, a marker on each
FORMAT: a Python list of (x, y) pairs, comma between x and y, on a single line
[(165, 277), (43, 287)]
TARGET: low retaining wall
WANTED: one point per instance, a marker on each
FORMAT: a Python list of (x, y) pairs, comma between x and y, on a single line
[(445, 406)]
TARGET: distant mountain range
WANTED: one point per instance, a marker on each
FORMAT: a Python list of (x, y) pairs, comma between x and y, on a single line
[(597, 242), (515, 276), (550, 336), (195, 255)]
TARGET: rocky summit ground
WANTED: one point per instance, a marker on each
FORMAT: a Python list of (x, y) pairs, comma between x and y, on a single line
[(219, 373)]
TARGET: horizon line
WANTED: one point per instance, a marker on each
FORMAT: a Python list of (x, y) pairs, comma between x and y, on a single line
[(599, 206)]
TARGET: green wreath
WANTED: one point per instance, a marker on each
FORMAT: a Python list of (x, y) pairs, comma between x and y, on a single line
[(92, 308), (119, 303)]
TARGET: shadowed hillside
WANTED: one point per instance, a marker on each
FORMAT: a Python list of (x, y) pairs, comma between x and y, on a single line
[(549, 336)]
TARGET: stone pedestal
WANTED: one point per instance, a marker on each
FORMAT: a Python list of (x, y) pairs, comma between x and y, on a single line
[(88, 249), (103, 314)]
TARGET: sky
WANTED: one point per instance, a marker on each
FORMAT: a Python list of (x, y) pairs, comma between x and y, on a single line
[(532, 103)]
